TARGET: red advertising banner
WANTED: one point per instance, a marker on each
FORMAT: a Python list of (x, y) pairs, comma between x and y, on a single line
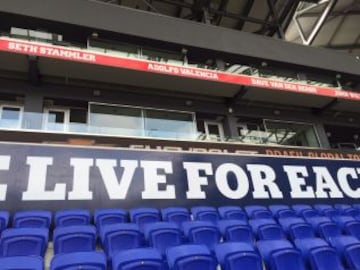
[(86, 56)]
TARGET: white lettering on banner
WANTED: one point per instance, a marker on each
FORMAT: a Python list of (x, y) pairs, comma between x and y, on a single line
[(81, 180), (117, 190), (231, 180), (263, 178), (189, 72), (4, 166), (222, 181), (296, 176), (52, 52), (195, 181), (36, 190), (343, 176), (325, 184), (152, 180), (283, 85)]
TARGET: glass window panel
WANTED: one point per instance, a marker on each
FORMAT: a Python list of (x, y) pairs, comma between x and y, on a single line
[(10, 113), (289, 133), (56, 117), (116, 120), (168, 124)]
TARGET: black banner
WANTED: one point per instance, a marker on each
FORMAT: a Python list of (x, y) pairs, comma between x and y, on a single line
[(56, 177)]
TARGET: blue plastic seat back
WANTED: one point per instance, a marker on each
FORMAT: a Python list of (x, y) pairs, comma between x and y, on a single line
[(271, 232), (24, 242), (351, 212), (119, 237), (74, 239), (352, 256), (342, 207), (142, 216), (353, 228), (177, 215), (316, 221), (299, 208), (205, 213), (329, 230), (79, 260), (331, 212), (142, 259), (275, 208), (262, 214), (234, 256), (250, 209), (318, 254), (256, 223), (22, 263), (32, 219), (349, 249), (309, 213), (72, 217), (109, 216), (202, 232), (280, 255), (286, 223), (190, 257), (4, 220), (236, 231), (232, 212), (321, 207), (286, 213), (162, 235), (301, 231)]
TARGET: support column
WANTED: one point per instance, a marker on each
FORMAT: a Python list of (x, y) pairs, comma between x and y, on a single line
[(33, 110)]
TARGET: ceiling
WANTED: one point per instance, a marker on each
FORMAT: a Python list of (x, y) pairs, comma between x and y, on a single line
[(338, 28)]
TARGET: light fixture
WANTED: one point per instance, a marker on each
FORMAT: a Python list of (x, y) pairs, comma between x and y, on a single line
[(276, 112)]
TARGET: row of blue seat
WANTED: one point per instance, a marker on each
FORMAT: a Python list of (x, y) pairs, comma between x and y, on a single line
[(307, 254), (161, 235), (42, 218)]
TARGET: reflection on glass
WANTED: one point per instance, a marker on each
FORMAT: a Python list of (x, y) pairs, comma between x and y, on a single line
[(289, 133), (10, 117), (168, 124), (56, 120)]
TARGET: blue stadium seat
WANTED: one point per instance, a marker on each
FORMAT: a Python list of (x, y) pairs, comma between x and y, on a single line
[(328, 230), (24, 242), (190, 257), (349, 249), (205, 213), (22, 263), (119, 237), (287, 223), (256, 223), (250, 209), (32, 219), (138, 259), (301, 231), (177, 215), (353, 212), (79, 260), (299, 208), (74, 239), (236, 231), (142, 216), (71, 217), (309, 213), (235, 256), (342, 207), (109, 216), (202, 232), (266, 229), (4, 220), (321, 207), (232, 212), (280, 255), (316, 221), (343, 220), (275, 208), (318, 255), (162, 235), (352, 228), (332, 212)]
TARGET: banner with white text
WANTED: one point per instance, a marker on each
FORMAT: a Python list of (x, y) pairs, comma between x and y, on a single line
[(57, 177)]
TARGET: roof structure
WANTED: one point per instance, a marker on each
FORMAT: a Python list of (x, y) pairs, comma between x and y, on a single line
[(326, 23)]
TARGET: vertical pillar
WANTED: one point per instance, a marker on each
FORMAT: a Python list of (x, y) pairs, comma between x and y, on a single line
[(33, 110)]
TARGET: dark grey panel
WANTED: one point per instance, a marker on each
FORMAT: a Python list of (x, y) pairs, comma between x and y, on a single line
[(101, 16)]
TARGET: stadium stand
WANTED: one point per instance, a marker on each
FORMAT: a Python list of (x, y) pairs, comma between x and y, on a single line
[(232, 244)]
